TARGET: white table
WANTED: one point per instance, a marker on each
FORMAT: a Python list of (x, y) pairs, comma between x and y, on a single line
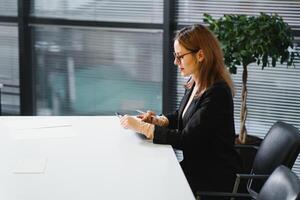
[(88, 158)]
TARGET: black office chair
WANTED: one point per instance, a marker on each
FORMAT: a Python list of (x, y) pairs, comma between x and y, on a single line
[(283, 184), (280, 146)]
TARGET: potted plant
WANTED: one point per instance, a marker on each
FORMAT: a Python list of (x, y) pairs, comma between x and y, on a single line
[(264, 39)]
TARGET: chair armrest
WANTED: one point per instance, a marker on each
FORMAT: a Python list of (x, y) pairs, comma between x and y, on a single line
[(254, 176), (236, 186), (247, 176), (222, 194)]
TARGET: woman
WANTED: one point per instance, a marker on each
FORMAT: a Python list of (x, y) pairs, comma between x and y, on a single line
[(203, 126)]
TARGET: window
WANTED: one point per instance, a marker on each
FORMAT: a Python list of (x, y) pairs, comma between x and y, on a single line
[(89, 71), (142, 11), (9, 59), (9, 68), (97, 70), (8, 7)]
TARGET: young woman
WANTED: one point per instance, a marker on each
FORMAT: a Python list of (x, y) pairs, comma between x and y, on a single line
[(203, 125)]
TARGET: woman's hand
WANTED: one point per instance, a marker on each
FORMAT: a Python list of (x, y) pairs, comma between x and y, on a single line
[(129, 122), (151, 117), (147, 116), (137, 125)]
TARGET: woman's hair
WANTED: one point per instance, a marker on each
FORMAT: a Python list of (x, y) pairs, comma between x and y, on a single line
[(212, 68)]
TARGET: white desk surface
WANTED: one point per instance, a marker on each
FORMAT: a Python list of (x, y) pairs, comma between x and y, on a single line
[(88, 158)]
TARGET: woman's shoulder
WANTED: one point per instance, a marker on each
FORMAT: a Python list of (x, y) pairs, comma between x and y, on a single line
[(219, 85), (219, 88)]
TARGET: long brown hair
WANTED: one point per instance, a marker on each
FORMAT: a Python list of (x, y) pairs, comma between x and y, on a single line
[(212, 68)]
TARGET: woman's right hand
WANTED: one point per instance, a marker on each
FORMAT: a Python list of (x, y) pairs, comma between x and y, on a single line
[(148, 117)]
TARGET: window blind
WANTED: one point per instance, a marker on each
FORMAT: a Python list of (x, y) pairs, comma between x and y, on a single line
[(8, 8), (143, 11), (97, 71), (9, 68), (273, 93), (191, 11)]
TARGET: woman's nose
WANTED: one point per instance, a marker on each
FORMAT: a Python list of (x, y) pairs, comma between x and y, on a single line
[(176, 62)]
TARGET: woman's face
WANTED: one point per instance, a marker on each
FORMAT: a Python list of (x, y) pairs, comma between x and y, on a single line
[(185, 60)]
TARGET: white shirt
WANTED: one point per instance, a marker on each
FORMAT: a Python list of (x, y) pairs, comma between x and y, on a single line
[(190, 100)]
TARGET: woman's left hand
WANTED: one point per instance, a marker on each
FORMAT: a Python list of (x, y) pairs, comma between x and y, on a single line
[(137, 125), (130, 122)]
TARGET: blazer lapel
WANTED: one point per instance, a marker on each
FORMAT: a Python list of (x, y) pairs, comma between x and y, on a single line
[(183, 103), (189, 112)]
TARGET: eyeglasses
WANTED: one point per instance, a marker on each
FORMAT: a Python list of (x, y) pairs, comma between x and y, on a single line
[(180, 57)]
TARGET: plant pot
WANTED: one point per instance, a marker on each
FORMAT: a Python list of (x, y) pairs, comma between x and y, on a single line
[(247, 155)]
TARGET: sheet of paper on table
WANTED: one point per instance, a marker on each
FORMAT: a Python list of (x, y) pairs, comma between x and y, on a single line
[(33, 165), (42, 127)]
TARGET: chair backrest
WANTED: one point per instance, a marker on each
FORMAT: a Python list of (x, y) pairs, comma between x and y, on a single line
[(280, 146), (283, 184)]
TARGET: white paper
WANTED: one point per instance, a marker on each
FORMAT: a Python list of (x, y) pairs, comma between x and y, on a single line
[(39, 128), (34, 122), (31, 166), (44, 132)]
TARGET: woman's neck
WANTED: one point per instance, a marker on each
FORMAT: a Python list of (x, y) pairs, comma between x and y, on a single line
[(197, 85), (196, 80)]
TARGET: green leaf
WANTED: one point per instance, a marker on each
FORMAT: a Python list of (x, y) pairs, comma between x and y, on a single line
[(244, 53), (235, 54), (258, 61), (232, 69)]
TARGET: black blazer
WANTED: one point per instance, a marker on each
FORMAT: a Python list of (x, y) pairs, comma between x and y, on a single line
[(206, 136)]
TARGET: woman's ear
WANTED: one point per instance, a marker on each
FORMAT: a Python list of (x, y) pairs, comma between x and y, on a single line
[(200, 55)]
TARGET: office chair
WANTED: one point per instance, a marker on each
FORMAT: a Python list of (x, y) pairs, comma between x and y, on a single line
[(283, 184), (280, 146)]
